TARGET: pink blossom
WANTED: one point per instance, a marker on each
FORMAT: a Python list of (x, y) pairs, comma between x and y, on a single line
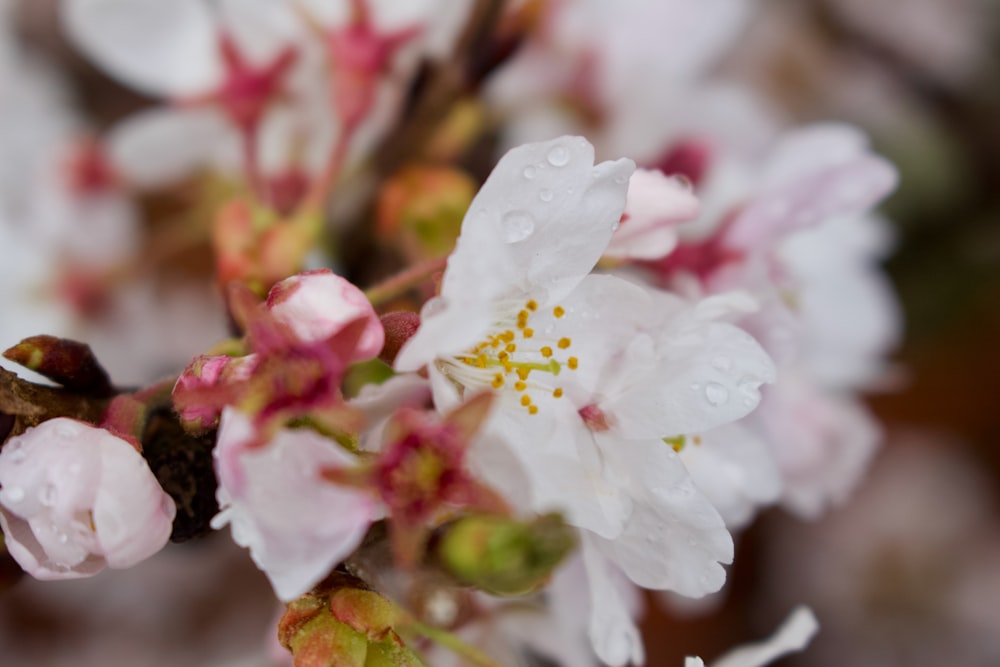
[(316, 305), (297, 525), (76, 499), (204, 372)]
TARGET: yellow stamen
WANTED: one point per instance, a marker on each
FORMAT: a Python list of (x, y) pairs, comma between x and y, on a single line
[(546, 351), (572, 362), (532, 409), (525, 400), (497, 381), (520, 386), (558, 311), (510, 348), (528, 332), (523, 373), (557, 392), (564, 343)]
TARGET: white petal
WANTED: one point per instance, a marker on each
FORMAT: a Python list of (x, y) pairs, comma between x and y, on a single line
[(161, 146), (612, 629), (158, 48), (537, 227), (674, 539), (793, 635), (565, 468), (735, 470), (701, 375)]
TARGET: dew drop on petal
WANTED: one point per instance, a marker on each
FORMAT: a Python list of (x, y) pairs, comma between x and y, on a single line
[(14, 494), (47, 495), (716, 394), (517, 226), (529, 172), (546, 195), (558, 156)]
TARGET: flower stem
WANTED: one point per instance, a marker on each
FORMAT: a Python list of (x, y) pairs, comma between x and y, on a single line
[(404, 280), (323, 185), (452, 643)]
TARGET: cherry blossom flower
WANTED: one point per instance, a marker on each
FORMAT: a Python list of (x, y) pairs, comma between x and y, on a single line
[(591, 371), (274, 497), (795, 232), (76, 499)]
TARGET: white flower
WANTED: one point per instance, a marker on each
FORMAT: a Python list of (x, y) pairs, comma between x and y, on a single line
[(592, 371), (76, 499), (297, 524)]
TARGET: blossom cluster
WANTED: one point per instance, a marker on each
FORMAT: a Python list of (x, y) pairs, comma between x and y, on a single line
[(585, 377)]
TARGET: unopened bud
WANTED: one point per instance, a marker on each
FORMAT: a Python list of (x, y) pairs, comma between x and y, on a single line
[(344, 623), (399, 328), (68, 362), (504, 556), (421, 209)]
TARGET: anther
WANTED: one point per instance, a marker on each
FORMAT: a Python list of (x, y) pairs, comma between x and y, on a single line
[(531, 305), (525, 400), (557, 392), (546, 351), (558, 311), (520, 386), (564, 343), (532, 409), (572, 362), (528, 332)]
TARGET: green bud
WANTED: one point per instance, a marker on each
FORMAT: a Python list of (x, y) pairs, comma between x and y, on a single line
[(503, 556)]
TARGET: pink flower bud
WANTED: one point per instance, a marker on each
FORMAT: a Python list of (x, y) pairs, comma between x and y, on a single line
[(76, 499), (316, 305), (193, 398)]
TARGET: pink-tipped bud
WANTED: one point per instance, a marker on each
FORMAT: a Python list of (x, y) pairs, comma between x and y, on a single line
[(399, 328), (317, 305), (192, 393)]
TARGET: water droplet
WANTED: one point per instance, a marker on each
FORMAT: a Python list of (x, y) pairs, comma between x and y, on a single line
[(716, 394), (558, 156), (66, 430), (517, 226), (546, 195), (14, 494), (529, 172), (722, 363), (63, 538), (47, 495)]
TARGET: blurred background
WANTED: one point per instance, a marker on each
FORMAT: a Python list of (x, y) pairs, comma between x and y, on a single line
[(907, 572)]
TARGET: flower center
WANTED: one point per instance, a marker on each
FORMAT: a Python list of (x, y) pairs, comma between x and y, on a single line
[(514, 356)]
